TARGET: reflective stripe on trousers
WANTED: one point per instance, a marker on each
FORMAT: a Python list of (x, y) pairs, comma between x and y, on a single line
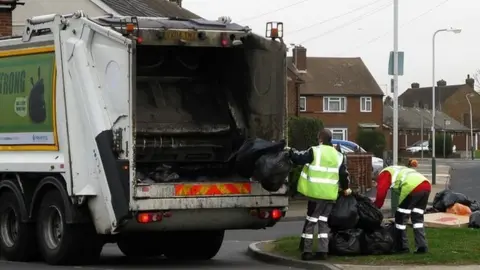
[(413, 206), (317, 213)]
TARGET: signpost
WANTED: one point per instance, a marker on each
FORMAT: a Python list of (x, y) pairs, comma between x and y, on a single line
[(395, 69)]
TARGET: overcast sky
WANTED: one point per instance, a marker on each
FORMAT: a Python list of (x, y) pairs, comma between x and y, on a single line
[(364, 28)]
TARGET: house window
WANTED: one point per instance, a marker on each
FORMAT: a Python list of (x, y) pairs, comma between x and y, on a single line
[(339, 133), (365, 104), (302, 104), (334, 104)]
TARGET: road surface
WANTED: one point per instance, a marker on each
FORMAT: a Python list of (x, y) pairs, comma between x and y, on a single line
[(465, 178), (231, 256)]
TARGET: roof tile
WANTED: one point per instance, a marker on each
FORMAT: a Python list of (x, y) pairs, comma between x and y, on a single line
[(334, 75), (411, 118), (423, 96)]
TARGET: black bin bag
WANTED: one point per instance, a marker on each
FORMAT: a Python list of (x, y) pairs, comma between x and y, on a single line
[(251, 150), (474, 221), (344, 214), (271, 170), (447, 198), (379, 241), (474, 206), (346, 243), (370, 217)]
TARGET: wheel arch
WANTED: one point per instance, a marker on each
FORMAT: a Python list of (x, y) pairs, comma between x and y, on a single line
[(47, 184)]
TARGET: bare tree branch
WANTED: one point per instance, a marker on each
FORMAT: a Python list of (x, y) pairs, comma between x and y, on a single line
[(476, 77)]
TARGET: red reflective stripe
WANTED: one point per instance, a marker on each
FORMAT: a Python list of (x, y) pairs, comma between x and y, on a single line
[(212, 189)]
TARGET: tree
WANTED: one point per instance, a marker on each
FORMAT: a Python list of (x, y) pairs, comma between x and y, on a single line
[(439, 145), (302, 134), (476, 77), (372, 141)]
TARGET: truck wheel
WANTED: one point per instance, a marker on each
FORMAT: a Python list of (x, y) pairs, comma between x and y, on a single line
[(141, 245), (18, 241), (194, 246), (61, 243)]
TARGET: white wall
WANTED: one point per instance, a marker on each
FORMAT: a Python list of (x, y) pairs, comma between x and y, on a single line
[(42, 7)]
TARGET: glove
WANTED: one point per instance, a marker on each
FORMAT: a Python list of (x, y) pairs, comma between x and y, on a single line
[(347, 192)]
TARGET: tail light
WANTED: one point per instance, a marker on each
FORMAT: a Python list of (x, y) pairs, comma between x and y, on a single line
[(274, 214), (224, 40), (152, 217)]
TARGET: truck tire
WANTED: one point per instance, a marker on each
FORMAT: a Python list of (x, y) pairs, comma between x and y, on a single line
[(141, 244), (18, 242), (61, 243), (194, 246)]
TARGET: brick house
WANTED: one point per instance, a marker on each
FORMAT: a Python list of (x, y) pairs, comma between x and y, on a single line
[(294, 81), (339, 91), (450, 99)]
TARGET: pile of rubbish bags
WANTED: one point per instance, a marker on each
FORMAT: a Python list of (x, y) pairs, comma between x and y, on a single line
[(357, 228), (457, 203), (264, 161)]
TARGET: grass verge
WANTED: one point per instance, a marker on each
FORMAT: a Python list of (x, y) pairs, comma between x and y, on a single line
[(452, 246)]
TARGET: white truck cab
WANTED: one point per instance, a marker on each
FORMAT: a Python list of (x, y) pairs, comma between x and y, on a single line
[(122, 129)]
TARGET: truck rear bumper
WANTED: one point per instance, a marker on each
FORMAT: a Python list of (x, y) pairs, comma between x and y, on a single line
[(210, 202), (205, 219), (212, 213)]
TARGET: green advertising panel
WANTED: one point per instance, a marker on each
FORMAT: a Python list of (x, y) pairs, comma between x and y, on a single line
[(26, 99)]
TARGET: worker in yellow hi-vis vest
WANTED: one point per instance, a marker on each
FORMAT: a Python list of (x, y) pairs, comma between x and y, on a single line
[(324, 172), (414, 189)]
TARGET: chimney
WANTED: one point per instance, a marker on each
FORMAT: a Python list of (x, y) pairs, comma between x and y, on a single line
[(415, 85), (6, 8), (441, 83), (300, 57), (470, 81), (178, 2)]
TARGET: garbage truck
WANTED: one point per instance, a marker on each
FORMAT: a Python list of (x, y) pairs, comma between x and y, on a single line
[(119, 129)]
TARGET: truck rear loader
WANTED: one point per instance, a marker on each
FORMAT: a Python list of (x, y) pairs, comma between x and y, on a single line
[(121, 130)]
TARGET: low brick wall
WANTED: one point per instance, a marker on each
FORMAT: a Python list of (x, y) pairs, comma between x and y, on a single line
[(359, 166)]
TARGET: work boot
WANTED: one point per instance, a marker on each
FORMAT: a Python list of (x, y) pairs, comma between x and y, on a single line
[(322, 256), (308, 256), (421, 250)]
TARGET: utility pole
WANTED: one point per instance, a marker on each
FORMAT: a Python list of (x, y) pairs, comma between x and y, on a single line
[(395, 82)]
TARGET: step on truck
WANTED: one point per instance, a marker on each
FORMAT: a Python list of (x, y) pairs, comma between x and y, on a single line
[(120, 130)]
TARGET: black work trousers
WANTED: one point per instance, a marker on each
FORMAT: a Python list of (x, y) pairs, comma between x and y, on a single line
[(412, 206), (317, 213)]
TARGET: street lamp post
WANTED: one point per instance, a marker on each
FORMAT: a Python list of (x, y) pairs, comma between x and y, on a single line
[(434, 167), (471, 124)]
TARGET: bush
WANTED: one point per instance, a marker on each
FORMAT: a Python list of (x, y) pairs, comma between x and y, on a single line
[(302, 134), (439, 145), (372, 141)]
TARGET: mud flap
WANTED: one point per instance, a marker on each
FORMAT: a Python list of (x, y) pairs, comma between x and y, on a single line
[(117, 178)]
